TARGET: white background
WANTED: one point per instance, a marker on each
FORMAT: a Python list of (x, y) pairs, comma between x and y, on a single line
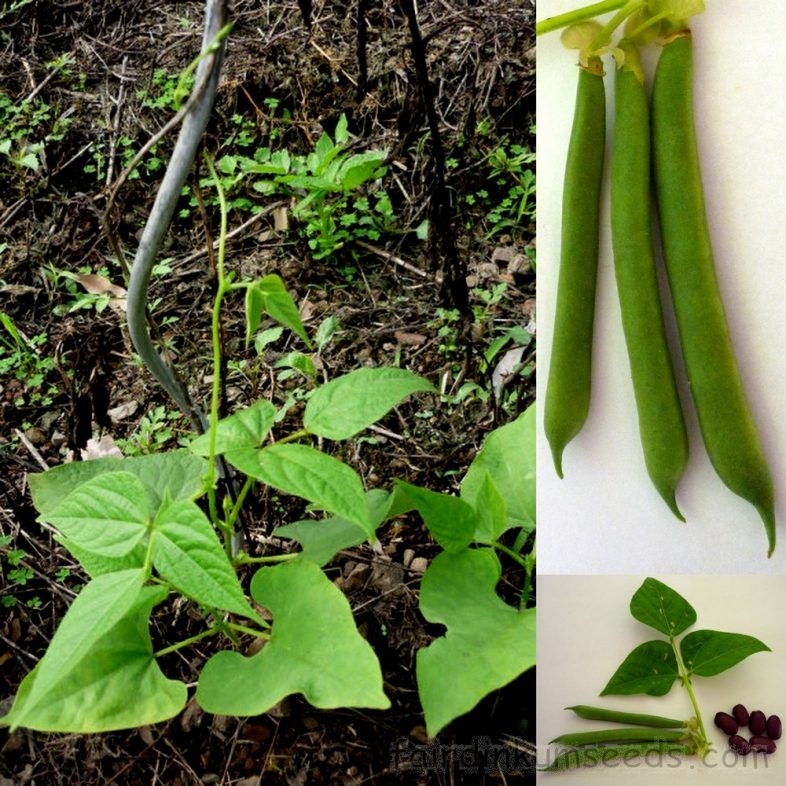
[(605, 516), (585, 631)]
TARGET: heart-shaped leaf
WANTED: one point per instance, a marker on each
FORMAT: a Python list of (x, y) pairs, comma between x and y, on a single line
[(99, 673), (314, 649), (487, 643)]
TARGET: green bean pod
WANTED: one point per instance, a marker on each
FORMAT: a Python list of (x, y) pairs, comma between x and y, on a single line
[(725, 419), (664, 438), (616, 716), (568, 389), (602, 754), (624, 734)]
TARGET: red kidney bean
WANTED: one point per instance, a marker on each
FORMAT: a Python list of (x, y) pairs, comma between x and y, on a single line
[(757, 722), (726, 723), (763, 744), (774, 727), (740, 745), (740, 714)]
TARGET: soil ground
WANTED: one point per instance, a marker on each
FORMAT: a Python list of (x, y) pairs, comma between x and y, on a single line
[(83, 85)]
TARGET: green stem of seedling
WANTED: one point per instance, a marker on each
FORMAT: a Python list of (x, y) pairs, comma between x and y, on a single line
[(579, 15), (512, 554), (295, 435), (186, 642), (241, 498), (244, 559), (703, 743), (223, 287), (181, 88), (260, 634)]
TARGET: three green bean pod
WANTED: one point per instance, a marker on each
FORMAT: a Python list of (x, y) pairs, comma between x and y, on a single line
[(589, 757), (664, 438), (616, 716), (726, 423), (568, 388)]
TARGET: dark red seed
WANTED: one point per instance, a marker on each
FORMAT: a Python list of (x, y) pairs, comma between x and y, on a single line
[(726, 723), (757, 722), (774, 727), (739, 744), (763, 744), (740, 714)]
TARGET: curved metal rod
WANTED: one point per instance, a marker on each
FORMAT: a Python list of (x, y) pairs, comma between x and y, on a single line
[(188, 140)]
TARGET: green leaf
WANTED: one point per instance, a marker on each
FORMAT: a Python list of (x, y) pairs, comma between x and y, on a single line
[(107, 515), (651, 668), (449, 519), (188, 554), (240, 435), (508, 455), (314, 649), (322, 540), (97, 564), (255, 306), (660, 607), (305, 472), (360, 168), (341, 134), (348, 404), (99, 673), (709, 652), (490, 510), (487, 643), (177, 472), (270, 294)]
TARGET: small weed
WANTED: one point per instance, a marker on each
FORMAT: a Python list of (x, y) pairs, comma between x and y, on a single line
[(156, 431), (21, 360)]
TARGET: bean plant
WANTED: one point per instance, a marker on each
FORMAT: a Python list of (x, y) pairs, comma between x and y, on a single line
[(651, 669), (150, 528)]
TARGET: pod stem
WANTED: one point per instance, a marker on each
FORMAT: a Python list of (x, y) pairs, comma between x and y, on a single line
[(604, 35), (579, 15)]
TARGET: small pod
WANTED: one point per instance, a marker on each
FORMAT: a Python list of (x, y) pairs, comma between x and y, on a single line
[(726, 723), (664, 439), (592, 757), (762, 744), (615, 716), (774, 728), (740, 714), (727, 426), (739, 744), (632, 734), (568, 387), (757, 722)]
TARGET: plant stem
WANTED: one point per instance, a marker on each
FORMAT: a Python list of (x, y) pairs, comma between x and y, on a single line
[(293, 436), (223, 287), (512, 554), (185, 643), (579, 15), (241, 498), (685, 677), (604, 36), (260, 634), (245, 559)]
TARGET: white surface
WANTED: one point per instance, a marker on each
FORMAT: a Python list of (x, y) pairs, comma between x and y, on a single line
[(585, 631), (605, 516)]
